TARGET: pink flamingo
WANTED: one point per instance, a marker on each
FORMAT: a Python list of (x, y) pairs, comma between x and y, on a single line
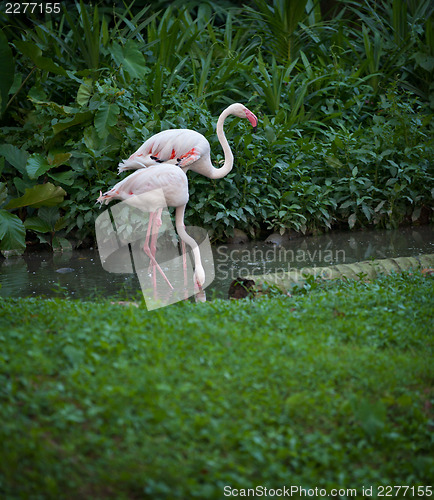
[(172, 182), (187, 148)]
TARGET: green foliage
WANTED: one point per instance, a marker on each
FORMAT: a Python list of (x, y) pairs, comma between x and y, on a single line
[(40, 195), (345, 109), (333, 385), (12, 231), (279, 21), (8, 68)]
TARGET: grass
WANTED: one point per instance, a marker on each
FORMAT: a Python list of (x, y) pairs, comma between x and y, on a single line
[(327, 389)]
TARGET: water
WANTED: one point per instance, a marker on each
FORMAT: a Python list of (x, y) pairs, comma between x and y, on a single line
[(78, 274)]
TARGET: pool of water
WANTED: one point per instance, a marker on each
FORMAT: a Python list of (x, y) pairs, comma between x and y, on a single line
[(79, 274)]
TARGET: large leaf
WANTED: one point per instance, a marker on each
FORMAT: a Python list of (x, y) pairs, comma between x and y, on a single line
[(47, 220), (15, 156), (70, 122), (38, 225), (37, 165), (32, 51), (12, 231), (130, 58), (7, 65), (40, 195), (106, 117)]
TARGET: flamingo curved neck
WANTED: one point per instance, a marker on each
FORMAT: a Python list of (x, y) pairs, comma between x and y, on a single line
[(199, 273), (218, 173)]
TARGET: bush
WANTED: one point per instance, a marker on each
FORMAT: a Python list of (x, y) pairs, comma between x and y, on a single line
[(341, 143)]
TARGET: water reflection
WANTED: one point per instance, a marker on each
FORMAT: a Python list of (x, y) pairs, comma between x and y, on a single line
[(80, 274)]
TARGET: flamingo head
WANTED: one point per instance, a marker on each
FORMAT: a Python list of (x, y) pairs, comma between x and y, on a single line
[(241, 111)]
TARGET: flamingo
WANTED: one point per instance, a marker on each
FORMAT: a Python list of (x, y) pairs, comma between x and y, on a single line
[(187, 148), (172, 182)]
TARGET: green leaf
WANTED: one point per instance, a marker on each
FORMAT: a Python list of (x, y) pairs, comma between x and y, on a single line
[(38, 196), (60, 224), (270, 134), (58, 159), (352, 220), (15, 156), (61, 244), (32, 51), (7, 65), (425, 61), (106, 117), (105, 32), (367, 211), (66, 178), (28, 49), (333, 162), (347, 204), (18, 80), (70, 122), (37, 165), (3, 192), (130, 58), (50, 215), (12, 231), (84, 92), (37, 224)]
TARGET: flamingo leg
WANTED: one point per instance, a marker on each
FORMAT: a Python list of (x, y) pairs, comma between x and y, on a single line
[(156, 223), (151, 256), (149, 236), (148, 252), (184, 266), (153, 249)]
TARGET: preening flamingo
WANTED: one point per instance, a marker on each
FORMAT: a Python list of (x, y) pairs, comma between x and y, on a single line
[(173, 183), (187, 148)]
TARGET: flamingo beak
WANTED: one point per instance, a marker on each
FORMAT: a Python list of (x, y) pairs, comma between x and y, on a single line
[(252, 119)]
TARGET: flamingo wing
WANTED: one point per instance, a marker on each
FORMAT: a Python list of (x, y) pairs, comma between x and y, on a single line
[(188, 158), (176, 146)]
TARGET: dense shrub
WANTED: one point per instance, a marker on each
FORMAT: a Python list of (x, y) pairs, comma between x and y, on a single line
[(346, 123)]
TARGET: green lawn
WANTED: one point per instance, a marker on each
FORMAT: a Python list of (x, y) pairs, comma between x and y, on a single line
[(328, 389)]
